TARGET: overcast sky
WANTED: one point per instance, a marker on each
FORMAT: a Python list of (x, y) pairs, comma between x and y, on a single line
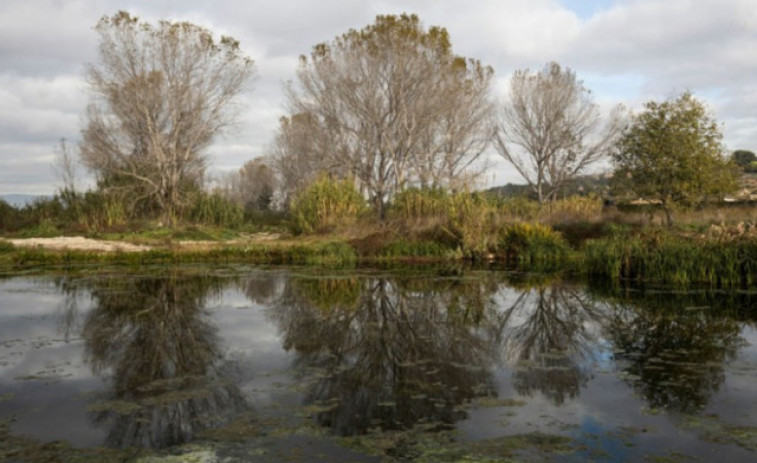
[(625, 51)]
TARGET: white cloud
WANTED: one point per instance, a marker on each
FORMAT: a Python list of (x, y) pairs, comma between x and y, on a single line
[(627, 52)]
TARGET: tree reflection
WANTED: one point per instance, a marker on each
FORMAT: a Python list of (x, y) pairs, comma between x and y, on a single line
[(262, 287), (673, 347), (550, 334), (157, 346), (387, 353)]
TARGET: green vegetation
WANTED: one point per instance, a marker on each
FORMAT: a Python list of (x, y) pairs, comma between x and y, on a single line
[(325, 205), (745, 159), (534, 246), (717, 260), (576, 234), (673, 154)]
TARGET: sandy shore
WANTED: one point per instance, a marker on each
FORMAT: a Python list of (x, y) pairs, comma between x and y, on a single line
[(78, 243), (87, 244)]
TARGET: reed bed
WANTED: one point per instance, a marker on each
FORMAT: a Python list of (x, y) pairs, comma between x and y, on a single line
[(673, 259)]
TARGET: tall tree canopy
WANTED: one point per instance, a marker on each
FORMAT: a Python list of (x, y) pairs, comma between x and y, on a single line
[(673, 153), (161, 94), (550, 130), (396, 106)]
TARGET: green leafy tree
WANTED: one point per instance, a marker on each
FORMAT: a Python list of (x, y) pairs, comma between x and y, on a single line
[(747, 160), (672, 152)]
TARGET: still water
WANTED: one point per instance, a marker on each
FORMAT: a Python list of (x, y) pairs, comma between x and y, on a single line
[(297, 365)]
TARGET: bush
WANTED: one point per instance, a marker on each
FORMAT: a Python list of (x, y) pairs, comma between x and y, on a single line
[(214, 209), (6, 246), (418, 203), (573, 209), (325, 205), (533, 245), (416, 248), (673, 259)]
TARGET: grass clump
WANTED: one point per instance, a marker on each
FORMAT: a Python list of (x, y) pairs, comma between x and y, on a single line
[(215, 210), (675, 259), (416, 248), (533, 245), (464, 221), (325, 205), (6, 246)]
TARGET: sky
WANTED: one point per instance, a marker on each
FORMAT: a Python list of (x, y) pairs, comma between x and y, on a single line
[(626, 51)]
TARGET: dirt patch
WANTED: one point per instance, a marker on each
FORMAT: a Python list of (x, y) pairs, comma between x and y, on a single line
[(79, 243)]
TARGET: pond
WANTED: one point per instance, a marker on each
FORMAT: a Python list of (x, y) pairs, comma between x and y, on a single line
[(193, 364)]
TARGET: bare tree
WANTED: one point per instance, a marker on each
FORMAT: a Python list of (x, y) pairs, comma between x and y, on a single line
[(252, 186), (300, 151), (162, 93), (396, 106), (550, 130)]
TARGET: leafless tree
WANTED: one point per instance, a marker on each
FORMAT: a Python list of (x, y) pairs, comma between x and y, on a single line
[(252, 186), (550, 130), (396, 106), (300, 151), (161, 94)]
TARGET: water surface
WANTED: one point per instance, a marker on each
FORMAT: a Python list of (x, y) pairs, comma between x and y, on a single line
[(268, 365)]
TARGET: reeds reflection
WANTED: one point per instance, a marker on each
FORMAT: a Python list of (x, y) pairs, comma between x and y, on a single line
[(387, 353), (152, 339)]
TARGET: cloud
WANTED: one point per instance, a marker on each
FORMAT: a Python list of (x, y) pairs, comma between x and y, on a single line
[(682, 43), (626, 52)]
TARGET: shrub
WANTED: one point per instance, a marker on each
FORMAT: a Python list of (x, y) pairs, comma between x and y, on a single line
[(415, 248), (6, 246), (420, 203), (533, 245), (326, 204), (215, 210), (573, 209)]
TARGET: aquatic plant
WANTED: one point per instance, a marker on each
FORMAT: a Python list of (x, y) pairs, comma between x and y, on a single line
[(673, 259)]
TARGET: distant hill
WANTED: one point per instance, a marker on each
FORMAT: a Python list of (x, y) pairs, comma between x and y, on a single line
[(583, 185), (17, 200)]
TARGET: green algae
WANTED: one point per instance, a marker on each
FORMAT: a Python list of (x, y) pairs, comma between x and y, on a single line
[(713, 430), (492, 402)]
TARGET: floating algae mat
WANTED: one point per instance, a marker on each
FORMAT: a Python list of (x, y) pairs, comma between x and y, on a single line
[(225, 365)]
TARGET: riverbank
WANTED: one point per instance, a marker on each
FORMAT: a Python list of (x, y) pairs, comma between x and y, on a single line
[(721, 257)]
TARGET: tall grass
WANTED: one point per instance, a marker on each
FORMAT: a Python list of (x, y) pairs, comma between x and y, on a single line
[(534, 246), (328, 254), (673, 259), (326, 205), (214, 209), (466, 221)]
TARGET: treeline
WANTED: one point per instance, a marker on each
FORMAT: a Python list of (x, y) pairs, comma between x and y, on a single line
[(376, 116)]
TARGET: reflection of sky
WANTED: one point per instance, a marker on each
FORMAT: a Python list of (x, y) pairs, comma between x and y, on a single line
[(736, 401), (44, 374), (51, 386)]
